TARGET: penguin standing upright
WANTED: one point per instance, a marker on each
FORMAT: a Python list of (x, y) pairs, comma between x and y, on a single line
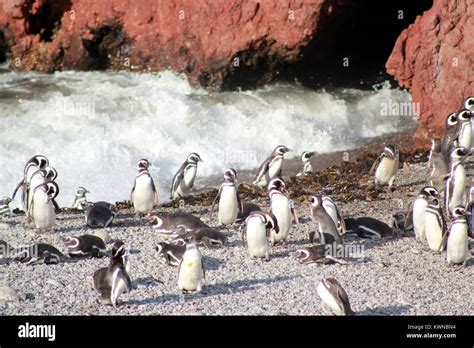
[(41, 176), (451, 124), (435, 226), (144, 196), (418, 212), (457, 248), (334, 296), (229, 201), (386, 166), (456, 182), (271, 167), (331, 208), (463, 132), (42, 207), (306, 159), (191, 275), (112, 281), (258, 227), (281, 208), (439, 166), (80, 198), (326, 227), (183, 180)]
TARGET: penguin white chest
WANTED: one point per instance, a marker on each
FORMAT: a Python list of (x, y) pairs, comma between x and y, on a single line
[(43, 211), (386, 170), (465, 137), (190, 272), (329, 299), (457, 250), (189, 177), (143, 196), (433, 231), (419, 208), (228, 205), (257, 242), (275, 167), (458, 183), (281, 210)]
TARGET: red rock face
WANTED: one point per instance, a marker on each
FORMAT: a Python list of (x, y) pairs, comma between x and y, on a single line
[(210, 41), (434, 57)]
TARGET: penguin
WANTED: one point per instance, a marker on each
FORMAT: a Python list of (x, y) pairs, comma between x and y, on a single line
[(402, 221), (439, 166), (281, 208), (386, 166), (99, 214), (42, 207), (469, 103), (229, 201), (435, 226), (451, 124), (183, 180), (172, 253), (85, 246), (456, 181), (210, 238), (168, 224), (331, 208), (326, 227), (34, 163), (247, 208), (418, 211), (5, 206), (271, 167), (463, 134), (313, 254), (112, 281), (5, 249), (258, 227), (144, 196), (457, 247), (368, 227), (39, 254), (306, 159), (334, 296), (80, 198), (191, 274)]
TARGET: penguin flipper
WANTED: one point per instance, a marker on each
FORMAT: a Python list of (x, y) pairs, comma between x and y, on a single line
[(178, 177), (214, 202), (203, 270), (240, 203), (376, 163), (56, 206), (20, 184), (132, 192), (264, 167)]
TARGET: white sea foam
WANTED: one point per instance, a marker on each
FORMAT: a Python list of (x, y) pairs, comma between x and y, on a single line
[(95, 126)]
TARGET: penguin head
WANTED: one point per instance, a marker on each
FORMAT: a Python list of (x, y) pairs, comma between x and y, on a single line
[(316, 201), (459, 154), (281, 150), (451, 120), (230, 174), (51, 173), (194, 158), (390, 151), (118, 249), (271, 222), (459, 211), (39, 160), (469, 103), (436, 145), (429, 191), (143, 164), (434, 202), (70, 242), (160, 247), (277, 184), (464, 115), (53, 189), (5, 200), (306, 155), (81, 192), (155, 220)]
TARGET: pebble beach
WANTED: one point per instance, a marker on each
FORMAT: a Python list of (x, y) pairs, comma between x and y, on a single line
[(394, 276)]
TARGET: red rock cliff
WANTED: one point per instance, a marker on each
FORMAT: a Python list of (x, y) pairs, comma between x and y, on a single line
[(200, 38), (434, 58)]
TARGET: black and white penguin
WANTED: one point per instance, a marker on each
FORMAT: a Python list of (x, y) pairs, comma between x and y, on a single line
[(439, 166), (209, 237), (368, 227), (306, 159), (42, 208), (386, 166), (435, 226), (271, 167), (41, 176), (325, 226), (85, 246), (258, 227), (172, 253), (313, 254), (38, 254), (334, 296), (457, 247), (183, 180), (229, 201), (144, 196), (282, 208), (99, 214), (168, 224), (418, 212), (191, 274), (463, 134), (456, 182), (450, 136), (80, 198), (112, 281), (332, 209), (5, 206)]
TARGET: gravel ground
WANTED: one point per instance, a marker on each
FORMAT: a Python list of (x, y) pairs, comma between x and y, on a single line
[(395, 277)]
